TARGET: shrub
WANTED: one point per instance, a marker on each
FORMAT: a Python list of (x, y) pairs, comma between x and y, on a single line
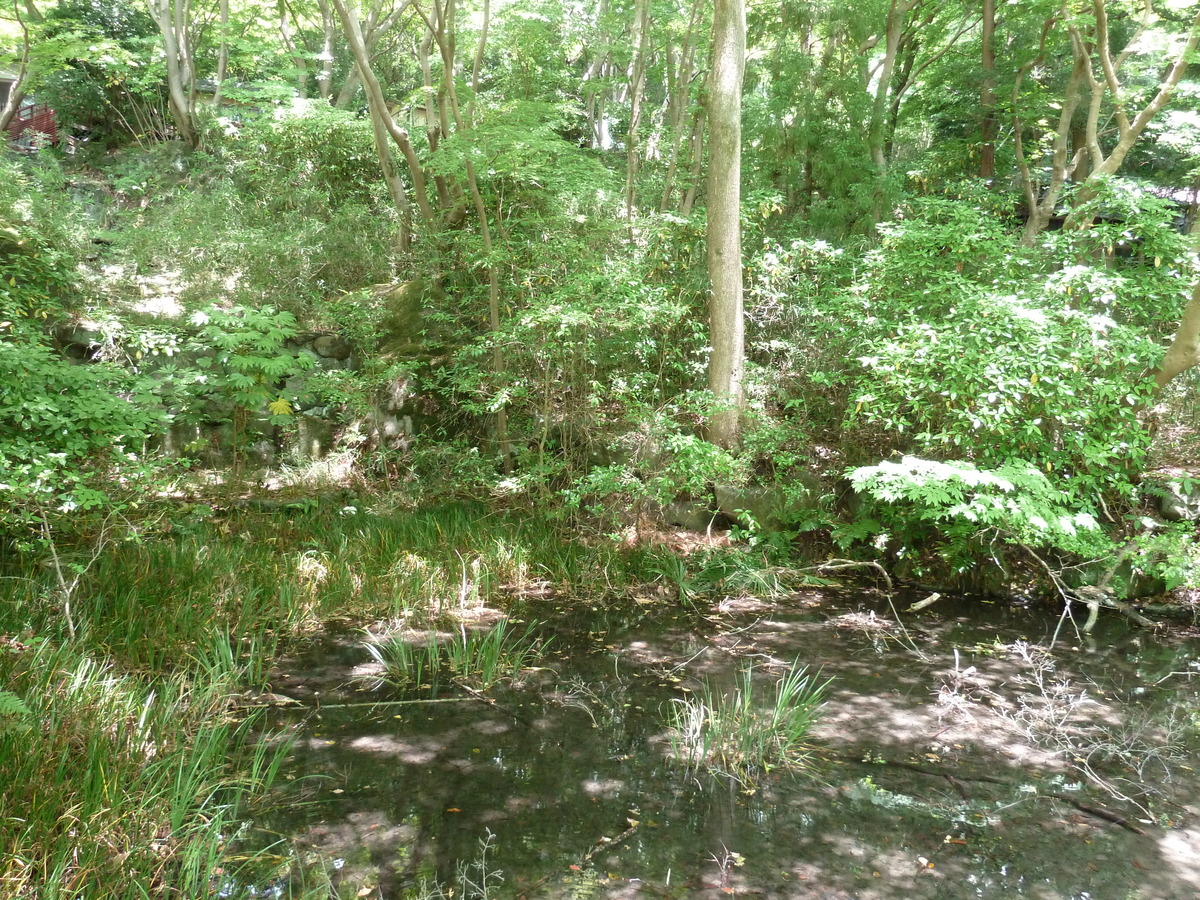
[(1002, 378), (966, 513), (71, 437)]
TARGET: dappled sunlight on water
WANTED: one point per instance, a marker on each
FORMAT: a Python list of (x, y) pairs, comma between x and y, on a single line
[(997, 771)]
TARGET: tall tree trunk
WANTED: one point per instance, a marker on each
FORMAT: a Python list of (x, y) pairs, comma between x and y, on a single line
[(443, 31), (223, 49), (697, 148), (595, 69), (637, 86), (1028, 185), (987, 95), (910, 46), (1184, 352), (498, 362), (1042, 209), (378, 20), (325, 76), (1128, 131), (437, 120), (726, 362), (295, 46), (680, 100), (383, 126), (350, 86), (173, 20), (893, 31), (16, 93)]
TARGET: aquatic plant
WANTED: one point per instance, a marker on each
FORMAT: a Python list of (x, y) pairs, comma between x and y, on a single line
[(475, 880), (116, 786), (471, 658), (741, 733)]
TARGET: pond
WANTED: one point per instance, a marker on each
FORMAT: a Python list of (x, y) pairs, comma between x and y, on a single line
[(956, 756)]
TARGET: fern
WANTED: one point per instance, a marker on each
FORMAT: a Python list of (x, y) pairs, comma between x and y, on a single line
[(12, 706)]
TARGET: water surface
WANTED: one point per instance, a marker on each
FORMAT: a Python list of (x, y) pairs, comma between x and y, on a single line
[(953, 759)]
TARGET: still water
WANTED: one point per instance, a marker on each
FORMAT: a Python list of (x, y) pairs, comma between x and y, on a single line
[(955, 757)]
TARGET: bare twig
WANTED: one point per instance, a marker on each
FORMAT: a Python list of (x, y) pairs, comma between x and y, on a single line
[(833, 565)]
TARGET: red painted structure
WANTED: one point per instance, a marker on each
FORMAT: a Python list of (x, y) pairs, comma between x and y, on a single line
[(30, 120)]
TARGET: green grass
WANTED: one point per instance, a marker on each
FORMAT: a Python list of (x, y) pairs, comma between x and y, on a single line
[(747, 731), (468, 657), (118, 786), (128, 770), (123, 769)]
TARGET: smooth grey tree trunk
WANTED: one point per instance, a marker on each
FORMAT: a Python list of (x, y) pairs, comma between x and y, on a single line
[(726, 363)]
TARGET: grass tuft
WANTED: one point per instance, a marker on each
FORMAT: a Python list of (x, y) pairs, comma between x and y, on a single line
[(741, 733), (469, 658)]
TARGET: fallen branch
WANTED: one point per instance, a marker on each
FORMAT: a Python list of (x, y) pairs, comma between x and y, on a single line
[(605, 844), (833, 565), (1098, 812)]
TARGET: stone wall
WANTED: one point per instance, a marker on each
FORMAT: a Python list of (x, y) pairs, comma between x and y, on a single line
[(209, 434)]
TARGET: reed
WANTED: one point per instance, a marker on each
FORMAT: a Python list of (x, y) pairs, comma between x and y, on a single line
[(115, 785), (126, 763), (470, 658), (740, 733)]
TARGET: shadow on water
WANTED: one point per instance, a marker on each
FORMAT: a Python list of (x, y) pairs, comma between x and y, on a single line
[(955, 758)]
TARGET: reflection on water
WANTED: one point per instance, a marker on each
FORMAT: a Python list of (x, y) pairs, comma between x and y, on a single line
[(956, 759)]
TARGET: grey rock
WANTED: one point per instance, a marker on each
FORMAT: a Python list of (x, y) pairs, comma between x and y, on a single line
[(1178, 504), (689, 514), (261, 453), (403, 319), (331, 346), (314, 437), (770, 507)]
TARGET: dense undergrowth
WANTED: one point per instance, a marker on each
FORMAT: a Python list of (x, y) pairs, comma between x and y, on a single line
[(933, 401)]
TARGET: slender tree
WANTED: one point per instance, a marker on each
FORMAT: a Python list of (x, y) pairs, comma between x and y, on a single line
[(726, 362), (16, 93), (637, 90), (1108, 85), (383, 126), (987, 95), (174, 21)]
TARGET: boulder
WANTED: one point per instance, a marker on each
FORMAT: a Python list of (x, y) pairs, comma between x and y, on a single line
[(82, 341), (331, 346), (314, 437), (690, 514), (769, 507), (1180, 501), (402, 324)]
